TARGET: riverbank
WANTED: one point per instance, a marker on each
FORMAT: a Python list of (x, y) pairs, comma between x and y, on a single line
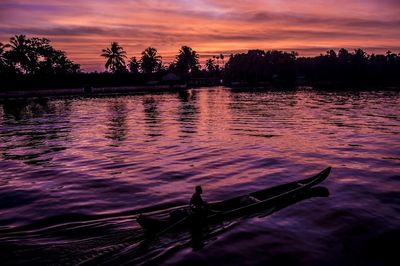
[(237, 87), (91, 91)]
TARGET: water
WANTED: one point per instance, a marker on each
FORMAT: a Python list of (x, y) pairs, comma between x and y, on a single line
[(76, 172)]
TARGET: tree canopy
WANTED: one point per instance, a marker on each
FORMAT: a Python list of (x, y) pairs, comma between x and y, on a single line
[(187, 61), (150, 62), (134, 65), (34, 56), (115, 55), (37, 57), (258, 65)]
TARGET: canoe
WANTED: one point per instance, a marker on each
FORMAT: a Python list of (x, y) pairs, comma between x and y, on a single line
[(231, 208)]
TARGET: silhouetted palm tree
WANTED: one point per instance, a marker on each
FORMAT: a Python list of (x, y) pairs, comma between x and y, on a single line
[(115, 58), (3, 60), (134, 65), (36, 55), (187, 61), (2, 51), (210, 65), (19, 43), (150, 61), (21, 53)]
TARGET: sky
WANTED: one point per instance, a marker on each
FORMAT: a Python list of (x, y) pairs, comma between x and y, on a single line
[(310, 27)]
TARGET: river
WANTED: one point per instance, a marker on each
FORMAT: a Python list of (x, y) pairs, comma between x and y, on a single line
[(76, 171)]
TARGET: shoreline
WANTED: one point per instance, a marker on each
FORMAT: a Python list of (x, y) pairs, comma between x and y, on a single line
[(86, 91), (121, 90)]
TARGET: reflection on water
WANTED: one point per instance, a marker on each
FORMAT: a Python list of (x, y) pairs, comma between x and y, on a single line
[(188, 113), (37, 129), (152, 116), (117, 125), (74, 173)]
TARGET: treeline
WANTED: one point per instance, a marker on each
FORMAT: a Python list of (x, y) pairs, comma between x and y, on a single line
[(185, 65), (351, 68), (34, 56), (343, 68), (34, 63)]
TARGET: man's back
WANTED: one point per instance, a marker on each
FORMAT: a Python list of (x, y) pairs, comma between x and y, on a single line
[(196, 201)]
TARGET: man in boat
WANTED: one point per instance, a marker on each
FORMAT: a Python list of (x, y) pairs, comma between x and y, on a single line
[(197, 204)]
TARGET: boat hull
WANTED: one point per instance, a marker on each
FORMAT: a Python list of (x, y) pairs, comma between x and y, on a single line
[(235, 207)]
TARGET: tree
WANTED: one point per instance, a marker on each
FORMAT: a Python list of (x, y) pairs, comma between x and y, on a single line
[(56, 62), (344, 55), (3, 59), (360, 55), (171, 67), (210, 65), (150, 61), (331, 54), (222, 58), (391, 57), (36, 55), (115, 58), (134, 65), (212, 69), (20, 54), (187, 61), (259, 66)]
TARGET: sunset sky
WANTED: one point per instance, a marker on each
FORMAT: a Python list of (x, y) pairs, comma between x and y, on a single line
[(83, 28)]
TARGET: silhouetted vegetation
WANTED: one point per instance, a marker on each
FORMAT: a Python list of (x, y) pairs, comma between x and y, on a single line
[(134, 66), (345, 68), (350, 68), (150, 62), (34, 63), (34, 56), (258, 66), (115, 58), (186, 62)]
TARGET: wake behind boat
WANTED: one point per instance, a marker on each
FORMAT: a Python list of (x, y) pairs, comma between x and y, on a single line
[(234, 207)]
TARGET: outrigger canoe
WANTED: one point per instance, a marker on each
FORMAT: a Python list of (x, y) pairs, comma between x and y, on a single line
[(231, 208)]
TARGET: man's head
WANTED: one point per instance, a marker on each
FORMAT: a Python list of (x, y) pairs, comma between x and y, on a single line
[(199, 190)]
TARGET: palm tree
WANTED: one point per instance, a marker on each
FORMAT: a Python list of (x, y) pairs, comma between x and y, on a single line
[(210, 65), (21, 53), (187, 61), (3, 58), (150, 61), (134, 65), (2, 51), (115, 58), (19, 43)]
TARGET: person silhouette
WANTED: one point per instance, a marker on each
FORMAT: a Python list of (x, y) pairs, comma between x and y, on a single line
[(197, 204)]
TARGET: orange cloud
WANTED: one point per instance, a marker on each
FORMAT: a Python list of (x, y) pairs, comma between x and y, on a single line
[(210, 27)]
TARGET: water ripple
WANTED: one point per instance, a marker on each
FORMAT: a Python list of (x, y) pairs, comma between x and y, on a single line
[(76, 172)]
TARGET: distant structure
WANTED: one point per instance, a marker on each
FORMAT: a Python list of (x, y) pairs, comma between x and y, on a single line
[(170, 77)]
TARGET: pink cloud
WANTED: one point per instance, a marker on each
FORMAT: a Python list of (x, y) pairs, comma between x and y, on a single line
[(220, 26)]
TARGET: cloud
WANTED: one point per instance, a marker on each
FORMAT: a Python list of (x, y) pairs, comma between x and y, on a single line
[(83, 28)]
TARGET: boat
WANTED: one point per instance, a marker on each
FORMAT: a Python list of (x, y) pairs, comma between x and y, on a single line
[(254, 202)]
